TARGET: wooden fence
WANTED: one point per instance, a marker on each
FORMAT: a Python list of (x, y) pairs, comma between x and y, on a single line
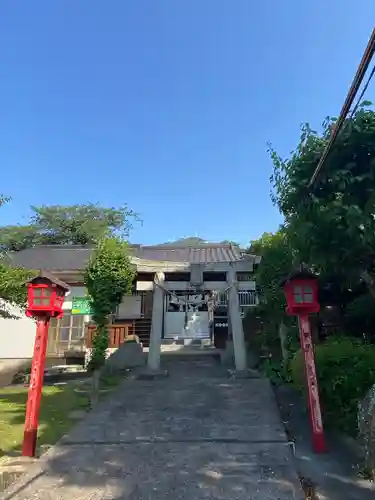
[(118, 334)]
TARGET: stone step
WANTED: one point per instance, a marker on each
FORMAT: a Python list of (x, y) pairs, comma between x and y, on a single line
[(185, 347), (58, 369), (187, 341), (189, 354)]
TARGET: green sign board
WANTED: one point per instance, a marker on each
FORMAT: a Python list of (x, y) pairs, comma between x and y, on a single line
[(81, 305)]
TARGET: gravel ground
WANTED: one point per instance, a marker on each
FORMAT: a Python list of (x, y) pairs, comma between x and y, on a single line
[(331, 476)]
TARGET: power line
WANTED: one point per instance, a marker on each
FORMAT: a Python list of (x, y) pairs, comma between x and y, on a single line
[(364, 90), (361, 71)]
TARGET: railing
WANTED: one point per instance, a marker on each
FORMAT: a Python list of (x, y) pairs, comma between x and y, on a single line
[(246, 298)]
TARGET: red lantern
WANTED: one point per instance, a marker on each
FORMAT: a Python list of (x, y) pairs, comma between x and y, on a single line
[(45, 299), (301, 292), (45, 296)]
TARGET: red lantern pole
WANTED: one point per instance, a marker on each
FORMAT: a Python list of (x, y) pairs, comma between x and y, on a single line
[(35, 388), (318, 440)]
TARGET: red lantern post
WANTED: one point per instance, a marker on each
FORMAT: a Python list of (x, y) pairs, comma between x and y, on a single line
[(301, 291), (45, 299)]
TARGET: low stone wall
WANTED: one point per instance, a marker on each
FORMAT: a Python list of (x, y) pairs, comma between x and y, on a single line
[(128, 355), (9, 368), (366, 428)]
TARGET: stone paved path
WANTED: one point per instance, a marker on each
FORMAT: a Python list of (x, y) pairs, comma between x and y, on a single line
[(195, 435)]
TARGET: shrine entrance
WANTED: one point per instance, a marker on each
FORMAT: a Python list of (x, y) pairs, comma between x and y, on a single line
[(186, 315)]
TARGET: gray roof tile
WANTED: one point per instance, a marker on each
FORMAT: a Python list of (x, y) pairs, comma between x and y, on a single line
[(203, 254), (69, 258), (53, 257)]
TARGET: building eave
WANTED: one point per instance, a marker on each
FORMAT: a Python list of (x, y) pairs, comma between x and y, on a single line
[(152, 266)]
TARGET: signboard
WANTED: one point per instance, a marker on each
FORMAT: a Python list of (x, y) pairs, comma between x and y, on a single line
[(81, 305)]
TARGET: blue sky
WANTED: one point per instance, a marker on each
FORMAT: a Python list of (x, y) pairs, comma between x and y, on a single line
[(167, 105)]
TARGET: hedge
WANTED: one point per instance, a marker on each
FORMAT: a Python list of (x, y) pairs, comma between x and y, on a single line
[(346, 371)]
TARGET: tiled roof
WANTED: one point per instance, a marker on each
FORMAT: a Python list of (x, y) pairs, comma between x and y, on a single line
[(69, 258), (202, 254), (53, 257)]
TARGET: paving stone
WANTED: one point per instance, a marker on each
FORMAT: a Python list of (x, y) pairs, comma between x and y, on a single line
[(194, 435)]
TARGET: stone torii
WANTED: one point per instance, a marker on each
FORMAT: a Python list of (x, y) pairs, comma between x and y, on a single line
[(234, 318)]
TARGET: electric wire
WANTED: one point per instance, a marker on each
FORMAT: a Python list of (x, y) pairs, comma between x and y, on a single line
[(361, 71), (364, 90)]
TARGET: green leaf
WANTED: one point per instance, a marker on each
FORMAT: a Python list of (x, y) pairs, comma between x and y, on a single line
[(333, 229), (365, 104), (108, 276)]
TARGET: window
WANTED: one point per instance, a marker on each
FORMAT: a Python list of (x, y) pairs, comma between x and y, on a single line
[(42, 296), (177, 276), (70, 328), (244, 276), (130, 307), (303, 294), (298, 294), (214, 276), (145, 277), (308, 294)]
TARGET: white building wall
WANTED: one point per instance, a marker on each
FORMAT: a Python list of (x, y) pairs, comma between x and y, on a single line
[(17, 336)]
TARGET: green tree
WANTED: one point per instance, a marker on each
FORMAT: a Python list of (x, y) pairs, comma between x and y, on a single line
[(231, 242), (277, 262), (190, 241), (15, 238), (12, 288), (108, 277), (332, 225), (12, 281), (65, 224)]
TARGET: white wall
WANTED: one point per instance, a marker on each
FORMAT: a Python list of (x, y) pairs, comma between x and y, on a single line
[(17, 336)]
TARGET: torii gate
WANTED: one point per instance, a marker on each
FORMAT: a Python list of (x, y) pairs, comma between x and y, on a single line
[(234, 318)]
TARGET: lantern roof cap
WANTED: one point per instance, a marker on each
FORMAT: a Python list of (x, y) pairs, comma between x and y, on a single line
[(50, 277), (299, 274)]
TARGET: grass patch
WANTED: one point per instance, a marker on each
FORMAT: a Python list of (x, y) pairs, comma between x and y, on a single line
[(57, 403), (110, 381)]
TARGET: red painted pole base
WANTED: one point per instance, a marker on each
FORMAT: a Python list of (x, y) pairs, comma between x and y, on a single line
[(29, 443), (35, 388), (319, 443), (317, 431)]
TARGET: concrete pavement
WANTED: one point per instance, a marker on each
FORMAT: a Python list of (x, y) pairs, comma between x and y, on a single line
[(192, 436)]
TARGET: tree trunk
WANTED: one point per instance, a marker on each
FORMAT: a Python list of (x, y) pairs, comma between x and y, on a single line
[(95, 388)]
